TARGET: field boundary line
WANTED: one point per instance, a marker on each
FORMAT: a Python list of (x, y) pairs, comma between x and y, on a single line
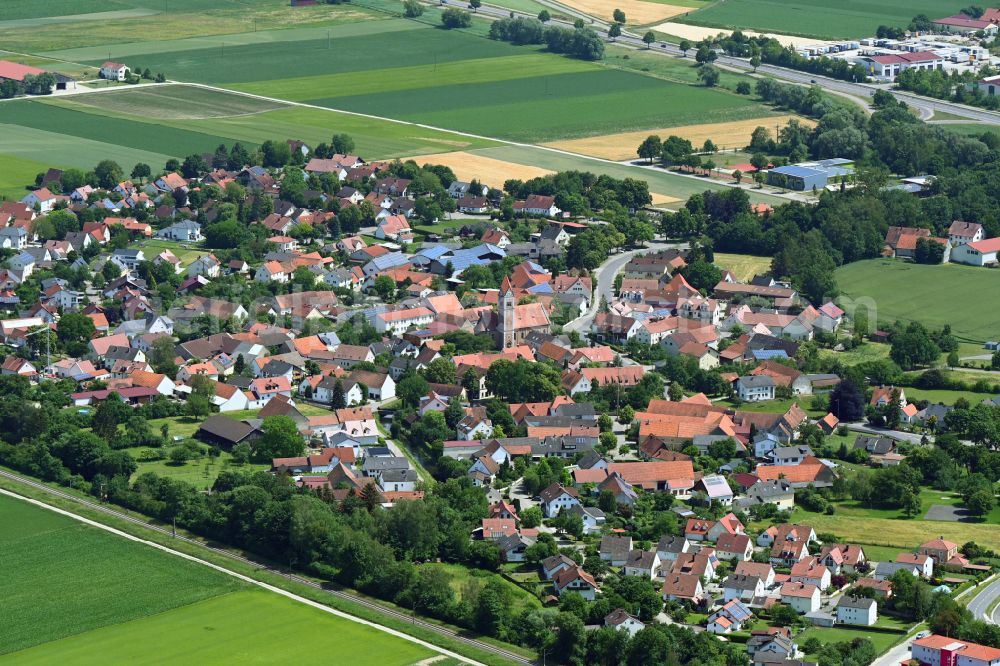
[(242, 577)]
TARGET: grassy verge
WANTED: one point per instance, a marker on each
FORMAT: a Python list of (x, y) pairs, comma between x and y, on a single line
[(276, 580)]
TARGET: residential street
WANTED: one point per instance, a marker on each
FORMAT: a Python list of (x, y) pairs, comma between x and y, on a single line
[(604, 282)]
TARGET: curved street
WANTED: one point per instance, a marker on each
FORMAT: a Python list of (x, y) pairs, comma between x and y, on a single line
[(604, 282)]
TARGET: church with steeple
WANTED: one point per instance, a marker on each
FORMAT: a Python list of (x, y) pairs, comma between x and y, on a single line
[(511, 323)]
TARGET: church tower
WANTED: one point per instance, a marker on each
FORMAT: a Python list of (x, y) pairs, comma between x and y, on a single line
[(507, 319)]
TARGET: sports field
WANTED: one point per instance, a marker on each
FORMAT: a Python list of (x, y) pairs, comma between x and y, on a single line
[(966, 297), (818, 18), (76, 594)]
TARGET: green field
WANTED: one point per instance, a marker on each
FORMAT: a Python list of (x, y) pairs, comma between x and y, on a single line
[(249, 627), (62, 578), (966, 297), (41, 26), (17, 172), (26, 9), (452, 79), (818, 18), (175, 102), (77, 594)]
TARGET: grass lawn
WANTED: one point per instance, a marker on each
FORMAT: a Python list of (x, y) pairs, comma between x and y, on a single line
[(462, 575), (675, 69), (862, 526), (64, 578), (902, 291), (882, 640), (945, 397), (817, 18), (186, 252), (743, 266), (775, 406), (870, 351)]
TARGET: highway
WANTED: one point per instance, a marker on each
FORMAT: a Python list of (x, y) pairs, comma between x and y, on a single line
[(861, 92), (232, 555)]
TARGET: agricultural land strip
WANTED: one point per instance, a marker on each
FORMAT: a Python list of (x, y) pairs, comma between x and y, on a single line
[(818, 18), (637, 12), (622, 146)]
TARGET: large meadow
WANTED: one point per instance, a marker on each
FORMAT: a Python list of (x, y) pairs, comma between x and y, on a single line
[(401, 88), (74, 594), (965, 297), (843, 19)]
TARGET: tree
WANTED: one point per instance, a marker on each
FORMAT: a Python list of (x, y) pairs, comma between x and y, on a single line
[(475, 4), (913, 346), (705, 54), (108, 416), (337, 398), (140, 172), (455, 18), (412, 8), (342, 143), (385, 287), (684, 46), (847, 402), (649, 38), (615, 31), (411, 388), (618, 15), (75, 331), (440, 371), (276, 154), (108, 174), (200, 401), (980, 502), (755, 61), (737, 176), (650, 147), (709, 75), (544, 16), (280, 439)]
